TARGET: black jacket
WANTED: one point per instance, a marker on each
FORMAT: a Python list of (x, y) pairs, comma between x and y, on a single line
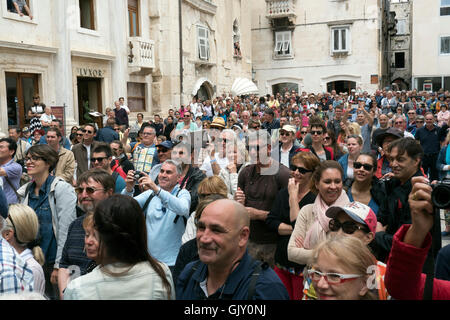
[(190, 182), (394, 212)]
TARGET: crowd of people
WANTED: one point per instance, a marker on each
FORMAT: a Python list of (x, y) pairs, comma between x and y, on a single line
[(286, 196)]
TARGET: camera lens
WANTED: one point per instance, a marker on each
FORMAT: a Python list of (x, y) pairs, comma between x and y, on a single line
[(441, 196)]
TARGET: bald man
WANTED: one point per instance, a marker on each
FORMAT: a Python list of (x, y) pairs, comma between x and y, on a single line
[(225, 269)]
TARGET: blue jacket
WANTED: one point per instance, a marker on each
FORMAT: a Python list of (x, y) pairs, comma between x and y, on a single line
[(343, 161), (441, 162), (268, 285), (107, 134), (163, 234)]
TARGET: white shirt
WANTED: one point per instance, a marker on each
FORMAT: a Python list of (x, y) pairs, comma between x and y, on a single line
[(126, 108), (284, 157), (206, 166), (38, 272)]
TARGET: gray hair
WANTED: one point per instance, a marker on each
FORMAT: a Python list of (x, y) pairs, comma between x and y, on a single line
[(174, 163)]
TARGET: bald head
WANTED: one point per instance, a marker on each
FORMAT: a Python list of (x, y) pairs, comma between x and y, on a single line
[(233, 209)]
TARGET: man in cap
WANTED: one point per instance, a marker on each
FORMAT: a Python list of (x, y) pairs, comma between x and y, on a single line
[(164, 150), (383, 140), (287, 145)]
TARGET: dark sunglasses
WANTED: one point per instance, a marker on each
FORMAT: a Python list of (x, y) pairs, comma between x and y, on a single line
[(79, 134), (99, 159), (251, 148), (358, 165), (318, 132), (399, 122), (89, 190), (327, 138), (349, 227), (419, 121), (162, 149), (88, 131), (284, 133), (300, 169), (303, 132)]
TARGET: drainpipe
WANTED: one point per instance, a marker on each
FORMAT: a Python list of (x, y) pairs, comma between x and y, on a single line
[(180, 31)]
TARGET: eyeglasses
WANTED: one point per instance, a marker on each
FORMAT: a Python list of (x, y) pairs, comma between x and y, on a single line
[(419, 121), (35, 97), (399, 122), (87, 131), (186, 116), (33, 158), (366, 166), (115, 129), (79, 134), (331, 277), (349, 227), (98, 159), (300, 169), (326, 138), (89, 190), (284, 133), (314, 132), (303, 132)]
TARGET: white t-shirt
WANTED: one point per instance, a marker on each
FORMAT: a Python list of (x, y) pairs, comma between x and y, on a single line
[(284, 157)]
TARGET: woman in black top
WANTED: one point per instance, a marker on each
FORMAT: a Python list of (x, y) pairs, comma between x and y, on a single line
[(283, 216)]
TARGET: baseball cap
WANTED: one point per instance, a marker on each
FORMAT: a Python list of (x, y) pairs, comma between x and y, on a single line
[(358, 211), (166, 144), (289, 128)]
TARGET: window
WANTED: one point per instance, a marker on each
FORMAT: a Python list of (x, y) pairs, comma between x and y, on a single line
[(401, 27), (283, 43), (133, 17), (236, 39), (399, 60), (445, 8), (340, 39), (136, 96), (445, 45), (203, 43), (87, 14)]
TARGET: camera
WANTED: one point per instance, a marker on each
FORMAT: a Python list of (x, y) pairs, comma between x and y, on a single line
[(440, 196), (138, 175)]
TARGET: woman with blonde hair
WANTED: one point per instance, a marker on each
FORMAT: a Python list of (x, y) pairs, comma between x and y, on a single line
[(208, 186), (341, 268), (21, 230)]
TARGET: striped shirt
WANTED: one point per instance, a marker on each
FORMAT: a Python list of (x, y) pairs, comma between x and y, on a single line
[(15, 276)]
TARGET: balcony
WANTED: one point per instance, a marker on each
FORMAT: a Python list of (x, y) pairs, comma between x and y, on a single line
[(141, 55), (281, 9)]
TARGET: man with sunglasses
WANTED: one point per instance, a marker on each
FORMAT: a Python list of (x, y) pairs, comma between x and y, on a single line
[(101, 159), (93, 186), (258, 186), (287, 144), (83, 151), (164, 150)]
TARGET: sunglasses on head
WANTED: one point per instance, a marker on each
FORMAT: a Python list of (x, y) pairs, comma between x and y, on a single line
[(349, 227), (366, 166), (300, 169)]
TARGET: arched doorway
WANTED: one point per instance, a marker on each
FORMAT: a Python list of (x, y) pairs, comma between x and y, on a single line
[(203, 89), (341, 86), (283, 87)]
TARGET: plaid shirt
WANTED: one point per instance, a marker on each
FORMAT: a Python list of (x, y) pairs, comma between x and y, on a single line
[(15, 276)]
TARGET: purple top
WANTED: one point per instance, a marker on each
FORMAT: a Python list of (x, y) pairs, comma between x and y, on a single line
[(14, 173)]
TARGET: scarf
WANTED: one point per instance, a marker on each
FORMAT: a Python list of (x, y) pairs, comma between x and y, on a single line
[(321, 223)]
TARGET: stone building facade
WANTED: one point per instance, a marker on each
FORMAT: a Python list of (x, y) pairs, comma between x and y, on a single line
[(317, 46)]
